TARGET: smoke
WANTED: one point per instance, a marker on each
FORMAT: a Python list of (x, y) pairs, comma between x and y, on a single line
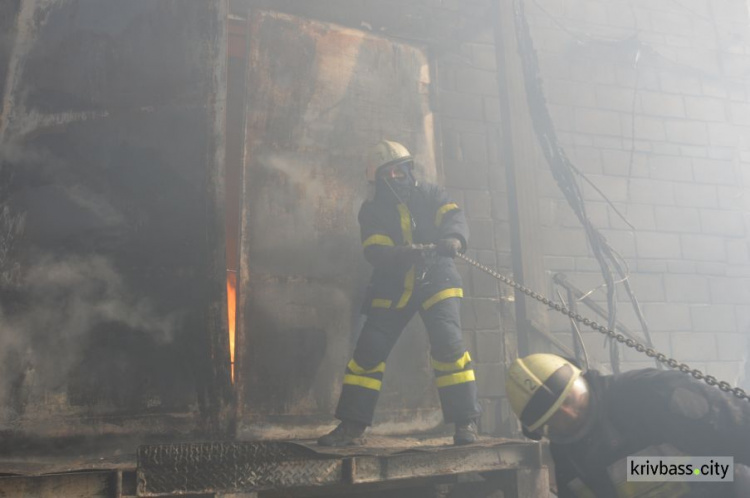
[(65, 299), (55, 304), (298, 173), (302, 206), (311, 183), (74, 295)]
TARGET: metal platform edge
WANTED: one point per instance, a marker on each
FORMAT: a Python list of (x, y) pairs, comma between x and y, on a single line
[(245, 467)]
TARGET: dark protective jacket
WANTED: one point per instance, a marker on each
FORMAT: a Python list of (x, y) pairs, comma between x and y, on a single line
[(653, 412), (427, 215)]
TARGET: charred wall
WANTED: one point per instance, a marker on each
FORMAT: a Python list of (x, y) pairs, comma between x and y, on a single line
[(111, 158)]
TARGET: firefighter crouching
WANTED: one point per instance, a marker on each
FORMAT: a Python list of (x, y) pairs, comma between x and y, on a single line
[(397, 223), (594, 422)]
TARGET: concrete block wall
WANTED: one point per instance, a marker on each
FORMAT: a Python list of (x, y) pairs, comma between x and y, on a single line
[(651, 101), (467, 110)]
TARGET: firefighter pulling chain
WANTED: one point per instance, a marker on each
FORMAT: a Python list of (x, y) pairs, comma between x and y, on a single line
[(631, 343)]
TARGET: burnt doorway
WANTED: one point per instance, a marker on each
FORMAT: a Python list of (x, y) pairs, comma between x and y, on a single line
[(317, 95)]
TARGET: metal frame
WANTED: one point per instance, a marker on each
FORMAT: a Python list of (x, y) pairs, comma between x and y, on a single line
[(244, 467)]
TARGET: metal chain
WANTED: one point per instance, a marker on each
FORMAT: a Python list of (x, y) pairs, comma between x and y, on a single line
[(631, 343)]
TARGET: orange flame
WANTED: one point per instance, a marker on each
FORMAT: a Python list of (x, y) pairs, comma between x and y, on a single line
[(231, 315)]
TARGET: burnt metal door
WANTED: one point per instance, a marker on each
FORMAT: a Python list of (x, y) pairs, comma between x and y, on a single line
[(111, 272), (318, 95)]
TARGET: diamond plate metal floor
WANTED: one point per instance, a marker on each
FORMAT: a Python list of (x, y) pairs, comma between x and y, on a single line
[(243, 467)]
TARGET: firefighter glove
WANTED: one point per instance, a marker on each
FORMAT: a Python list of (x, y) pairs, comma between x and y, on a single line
[(448, 247), (413, 253)]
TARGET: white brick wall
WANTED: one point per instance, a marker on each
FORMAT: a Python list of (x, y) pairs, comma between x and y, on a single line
[(689, 186)]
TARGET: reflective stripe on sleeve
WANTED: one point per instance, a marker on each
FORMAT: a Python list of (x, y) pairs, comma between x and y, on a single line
[(378, 240), (441, 212)]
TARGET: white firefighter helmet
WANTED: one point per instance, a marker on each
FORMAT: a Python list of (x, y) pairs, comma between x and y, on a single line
[(385, 153)]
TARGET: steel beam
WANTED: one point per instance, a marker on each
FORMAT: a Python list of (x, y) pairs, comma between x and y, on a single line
[(452, 460)]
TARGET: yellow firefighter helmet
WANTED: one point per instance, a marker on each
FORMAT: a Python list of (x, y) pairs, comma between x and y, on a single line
[(385, 153), (537, 385)]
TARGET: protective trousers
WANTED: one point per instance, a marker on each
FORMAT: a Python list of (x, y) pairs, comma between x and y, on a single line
[(451, 362)]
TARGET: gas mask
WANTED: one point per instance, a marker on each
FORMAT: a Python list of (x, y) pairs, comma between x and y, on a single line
[(396, 180)]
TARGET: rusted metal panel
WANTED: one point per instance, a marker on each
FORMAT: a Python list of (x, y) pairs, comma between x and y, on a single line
[(74, 485), (452, 460), (318, 96), (111, 155), (256, 466), (23, 462)]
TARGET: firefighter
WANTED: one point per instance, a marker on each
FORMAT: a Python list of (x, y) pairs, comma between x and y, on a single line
[(410, 232), (594, 422)]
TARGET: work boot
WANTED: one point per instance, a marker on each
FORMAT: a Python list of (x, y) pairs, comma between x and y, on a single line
[(348, 433), (466, 433)]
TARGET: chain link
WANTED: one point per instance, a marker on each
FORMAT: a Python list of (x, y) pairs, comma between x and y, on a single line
[(631, 343)]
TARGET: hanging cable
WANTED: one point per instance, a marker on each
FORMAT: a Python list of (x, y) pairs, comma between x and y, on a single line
[(564, 173)]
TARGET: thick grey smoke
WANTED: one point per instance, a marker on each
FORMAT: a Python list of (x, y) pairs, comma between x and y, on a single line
[(301, 205), (54, 303), (75, 294), (68, 298)]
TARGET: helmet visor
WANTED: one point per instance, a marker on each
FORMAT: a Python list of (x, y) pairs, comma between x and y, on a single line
[(571, 418)]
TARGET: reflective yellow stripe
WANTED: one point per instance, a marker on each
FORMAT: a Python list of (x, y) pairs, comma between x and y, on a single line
[(443, 294), (354, 367), (456, 378), (441, 212), (378, 240), (356, 380), (405, 223), (381, 303), (408, 288), (455, 366), (410, 275)]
